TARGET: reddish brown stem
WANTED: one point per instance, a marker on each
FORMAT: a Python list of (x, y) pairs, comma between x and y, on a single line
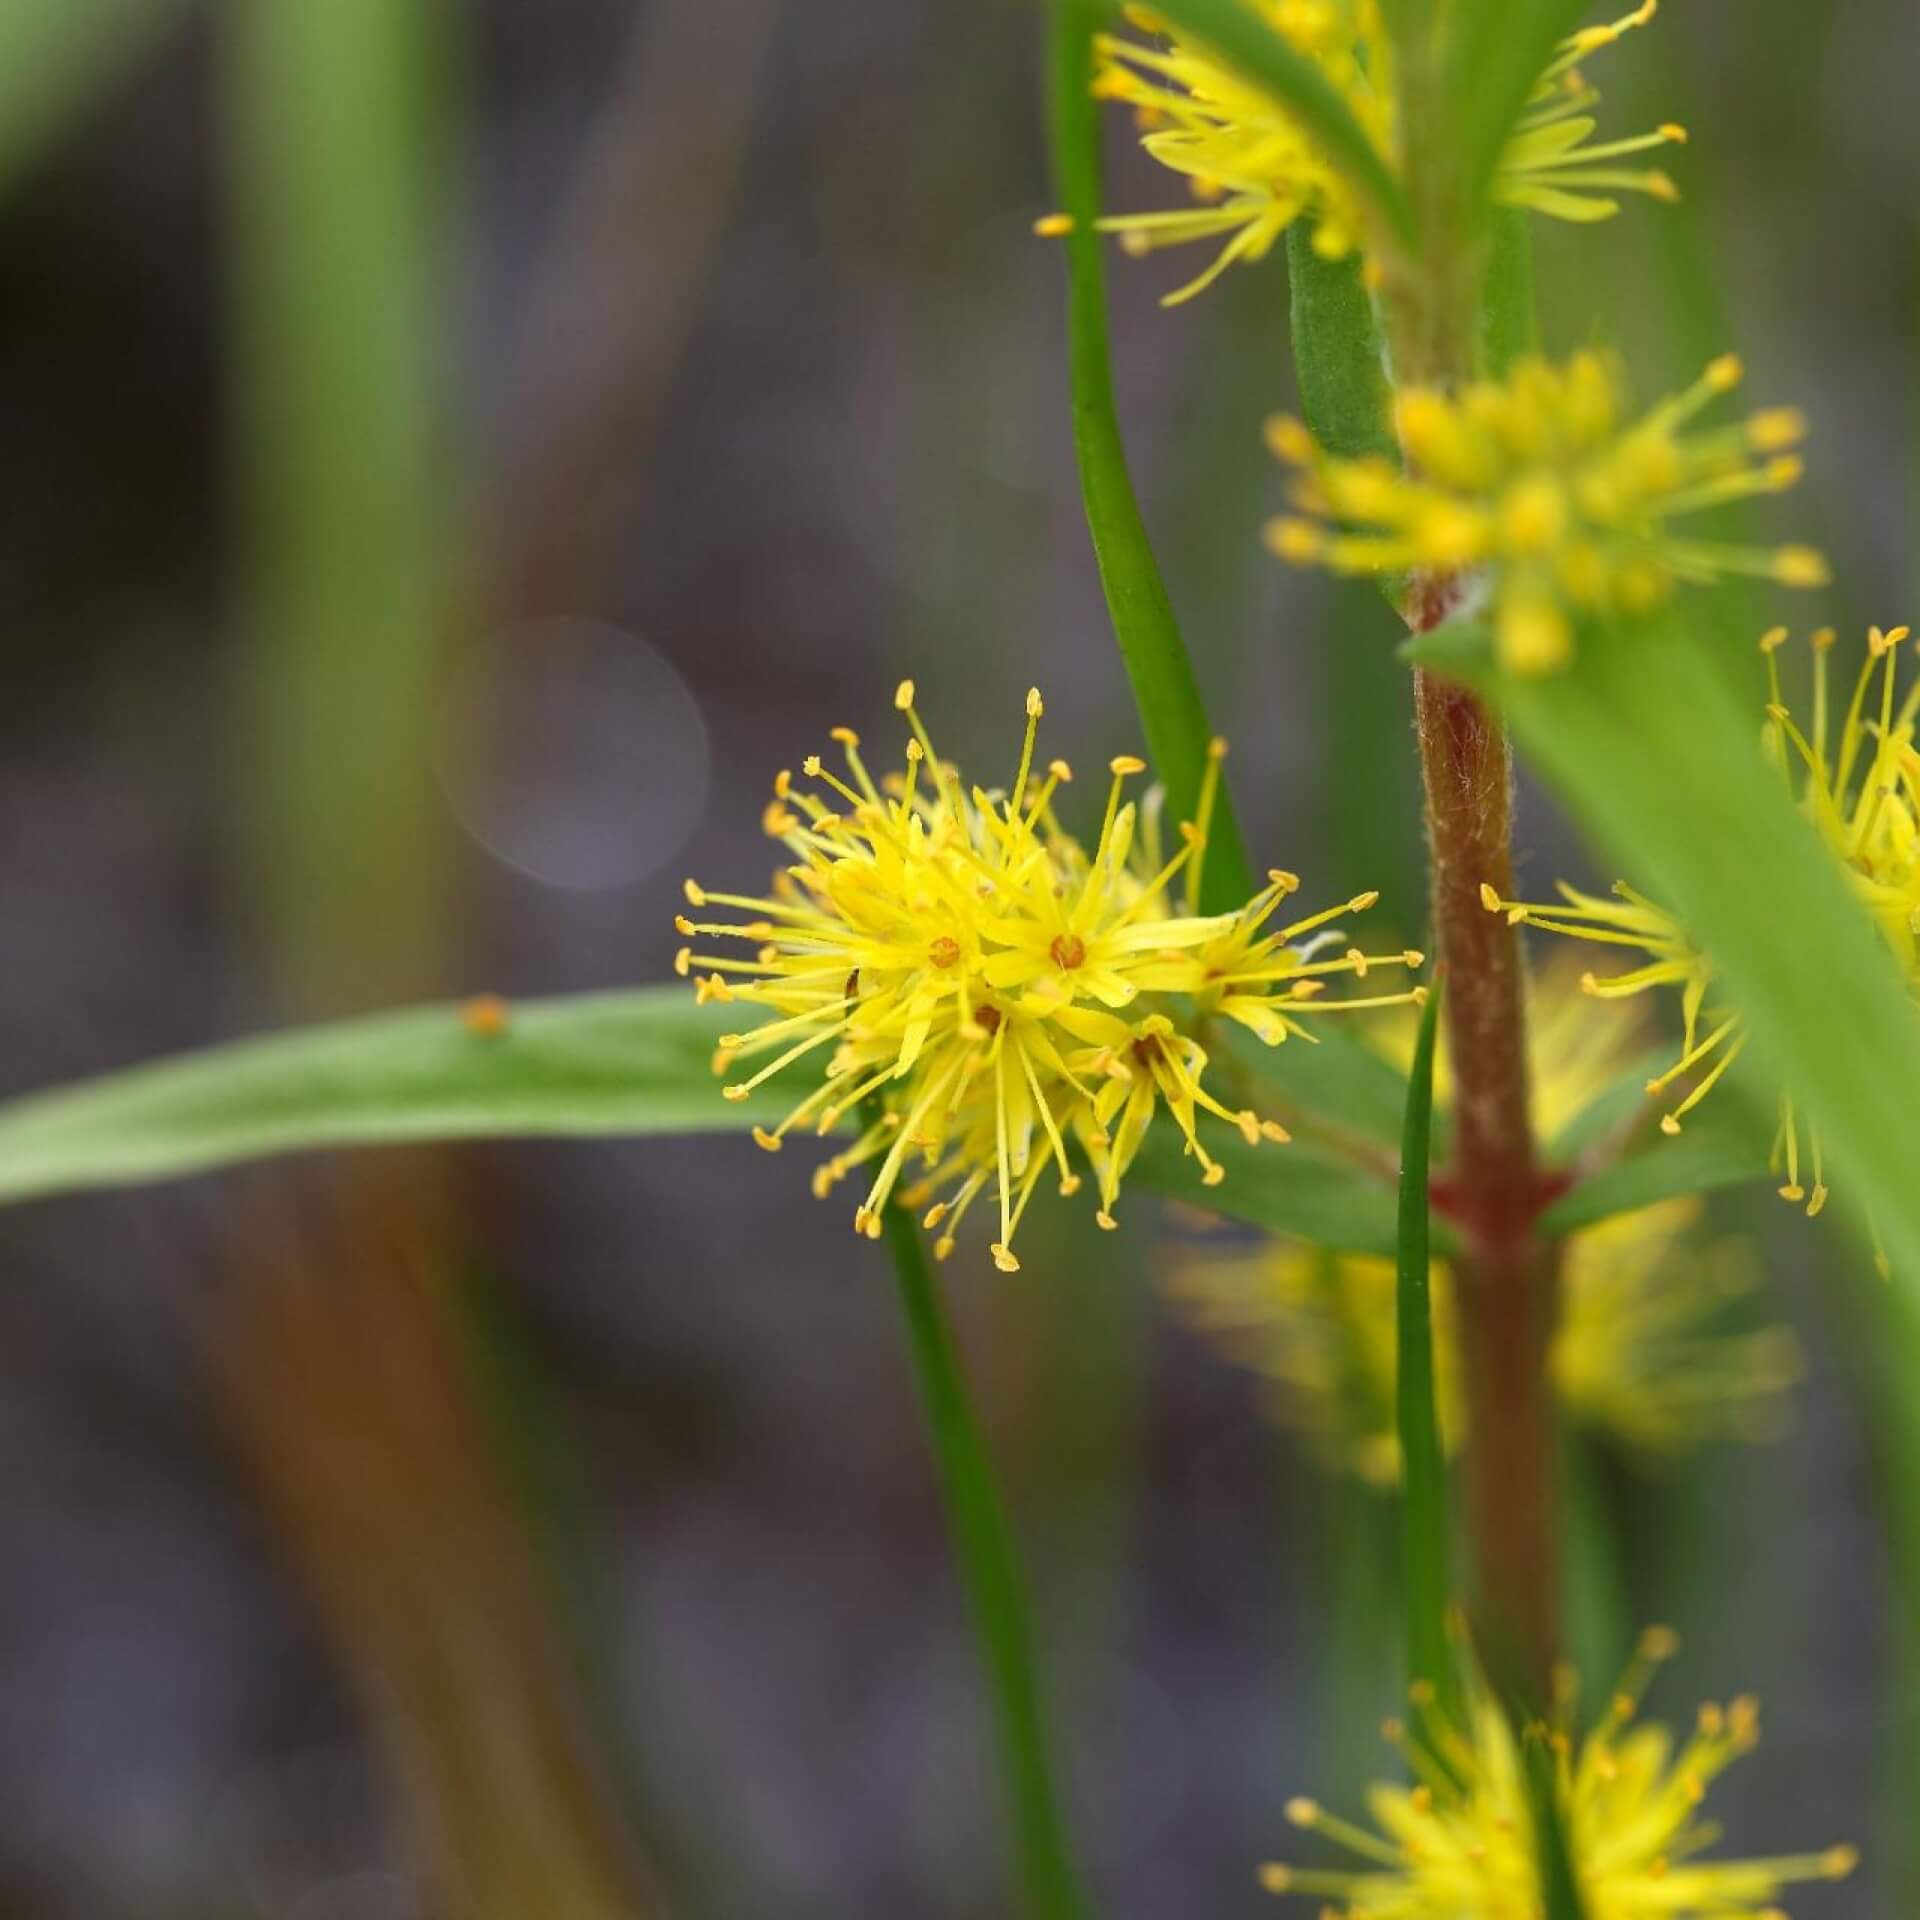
[(1494, 1189)]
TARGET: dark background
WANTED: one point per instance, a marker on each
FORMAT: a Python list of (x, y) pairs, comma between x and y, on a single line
[(754, 402)]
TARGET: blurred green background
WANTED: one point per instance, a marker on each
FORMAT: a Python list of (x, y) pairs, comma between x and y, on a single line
[(455, 454)]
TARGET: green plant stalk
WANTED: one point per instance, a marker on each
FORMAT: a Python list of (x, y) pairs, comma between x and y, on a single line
[(1172, 713), (1425, 1580), (1049, 1885)]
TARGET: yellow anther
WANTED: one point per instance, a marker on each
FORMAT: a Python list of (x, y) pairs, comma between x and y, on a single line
[(1051, 226)]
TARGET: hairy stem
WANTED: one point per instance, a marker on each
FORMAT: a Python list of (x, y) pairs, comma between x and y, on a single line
[(1048, 1884), (1494, 1190)]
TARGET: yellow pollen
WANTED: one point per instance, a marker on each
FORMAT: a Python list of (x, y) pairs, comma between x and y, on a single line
[(1051, 226), (903, 696), (1123, 764), (1725, 373), (1801, 567)]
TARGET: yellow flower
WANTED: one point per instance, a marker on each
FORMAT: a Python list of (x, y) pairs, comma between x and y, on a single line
[(1861, 791), (956, 965), (1252, 170), (1461, 1841), (1637, 1355), (1541, 480)]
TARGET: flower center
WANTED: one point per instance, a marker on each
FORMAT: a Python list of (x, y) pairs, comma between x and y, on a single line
[(944, 951), (987, 1019), (1069, 951)]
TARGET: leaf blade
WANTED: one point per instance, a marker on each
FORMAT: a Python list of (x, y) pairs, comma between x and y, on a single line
[(592, 1065), (1165, 687), (1423, 1486)]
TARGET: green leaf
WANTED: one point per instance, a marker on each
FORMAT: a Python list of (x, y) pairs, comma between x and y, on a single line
[(1423, 1492), (1295, 1189), (1646, 743), (1238, 35), (1336, 351), (1333, 1081), (587, 1065), (1165, 689), (1500, 52), (1714, 1152), (1509, 320)]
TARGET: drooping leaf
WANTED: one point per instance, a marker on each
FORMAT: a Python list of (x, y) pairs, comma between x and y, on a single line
[(592, 1064)]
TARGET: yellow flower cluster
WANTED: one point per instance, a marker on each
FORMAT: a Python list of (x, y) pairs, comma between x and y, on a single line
[(1461, 1841), (1543, 480), (1252, 170), (1637, 1355), (983, 991), (1859, 784)]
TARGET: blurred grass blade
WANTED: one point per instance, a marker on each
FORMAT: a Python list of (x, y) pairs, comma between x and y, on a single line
[(57, 57), (341, 295), (1643, 739), (1243, 40), (1165, 690), (1423, 1488), (1500, 50), (592, 1064)]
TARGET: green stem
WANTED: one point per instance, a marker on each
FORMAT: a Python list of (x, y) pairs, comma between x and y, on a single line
[(1423, 1475), (1050, 1887)]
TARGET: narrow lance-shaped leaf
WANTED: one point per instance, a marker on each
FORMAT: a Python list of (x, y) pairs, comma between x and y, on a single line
[(1336, 350), (1423, 1495), (1165, 689), (1646, 743), (1501, 47), (593, 1064)]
